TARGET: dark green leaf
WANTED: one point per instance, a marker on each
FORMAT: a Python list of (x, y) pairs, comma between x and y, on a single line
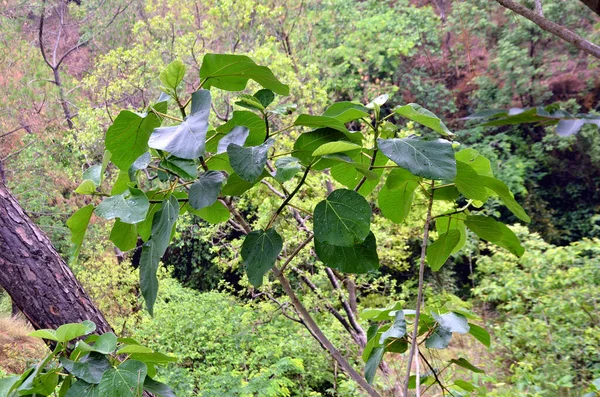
[(184, 168), (259, 253), (42, 384), (446, 193), (206, 191), (238, 135), (495, 232), (231, 73), (480, 334), (188, 139), (440, 339), (255, 125), (127, 138), (469, 183), (397, 330), (287, 167), (359, 258), (130, 206), (446, 223), (439, 252), (429, 159), (126, 380), (373, 363), (506, 196), (265, 97), (124, 235), (461, 362), (215, 213), (236, 186), (308, 120), (77, 224), (89, 369), (464, 385), (157, 388), (249, 162), (173, 75), (82, 389), (308, 142), (346, 111), (142, 162), (94, 173), (343, 219), (419, 114), (453, 322)]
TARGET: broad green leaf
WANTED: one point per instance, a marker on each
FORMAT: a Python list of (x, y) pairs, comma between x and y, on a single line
[(141, 163), (335, 147), (480, 334), (94, 173), (249, 162), (265, 97), (381, 314), (453, 322), (396, 196), (185, 168), (154, 249), (237, 135), (134, 349), (379, 101), (215, 213), (439, 339), (250, 102), (157, 388), (444, 224), (342, 219), (130, 206), (124, 235), (479, 163), (8, 383), (446, 193), (308, 142), (466, 386), (506, 196), (256, 127), (419, 114), (173, 75), (231, 73), (373, 363), (153, 358), (126, 380), (284, 109), (469, 183), (259, 253), (89, 369), (286, 168), (104, 344), (495, 232), (82, 389), (77, 224), (49, 334), (461, 362), (127, 138), (205, 192), (356, 259), (397, 330), (346, 111), (424, 380), (86, 187), (42, 384), (350, 174), (68, 332), (236, 186), (188, 139), (439, 252), (122, 183), (308, 120), (430, 159)]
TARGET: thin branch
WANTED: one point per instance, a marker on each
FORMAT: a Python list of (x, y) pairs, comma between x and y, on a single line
[(554, 28)]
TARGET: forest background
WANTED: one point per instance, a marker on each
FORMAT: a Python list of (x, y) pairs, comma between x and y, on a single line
[(453, 57)]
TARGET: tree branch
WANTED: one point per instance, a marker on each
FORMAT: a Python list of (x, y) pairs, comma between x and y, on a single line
[(554, 28)]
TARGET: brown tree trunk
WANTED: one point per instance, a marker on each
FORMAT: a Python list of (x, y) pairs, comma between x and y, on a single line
[(37, 279)]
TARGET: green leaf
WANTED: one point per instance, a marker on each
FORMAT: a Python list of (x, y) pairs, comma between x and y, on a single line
[(127, 138), (396, 196), (89, 369), (173, 75), (250, 102), (153, 358), (320, 122), (469, 183), (256, 126), (397, 330), (82, 389), (126, 380), (215, 213), (104, 344), (446, 193), (259, 253), (8, 383), (188, 139), (506, 196), (265, 97), (238, 135), (439, 252), (335, 147), (49, 334), (205, 192), (343, 219), (185, 168), (495, 232), (480, 334), (121, 184), (68, 332), (42, 384), (356, 259), (465, 385), (157, 388), (479, 163), (429, 159), (308, 142), (231, 73), (381, 314), (124, 235), (249, 162), (453, 322), (346, 111), (130, 206), (236, 186), (373, 363), (439, 339), (134, 349), (284, 109), (350, 174), (94, 173), (154, 249), (287, 167), (444, 224), (86, 187), (419, 114), (461, 362), (77, 224)]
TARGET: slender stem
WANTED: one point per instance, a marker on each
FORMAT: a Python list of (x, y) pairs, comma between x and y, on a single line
[(266, 126), (296, 251), (283, 130), (415, 333), (166, 116), (287, 200)]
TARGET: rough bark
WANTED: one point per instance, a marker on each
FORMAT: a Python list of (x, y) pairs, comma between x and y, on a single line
[(37, 279)]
